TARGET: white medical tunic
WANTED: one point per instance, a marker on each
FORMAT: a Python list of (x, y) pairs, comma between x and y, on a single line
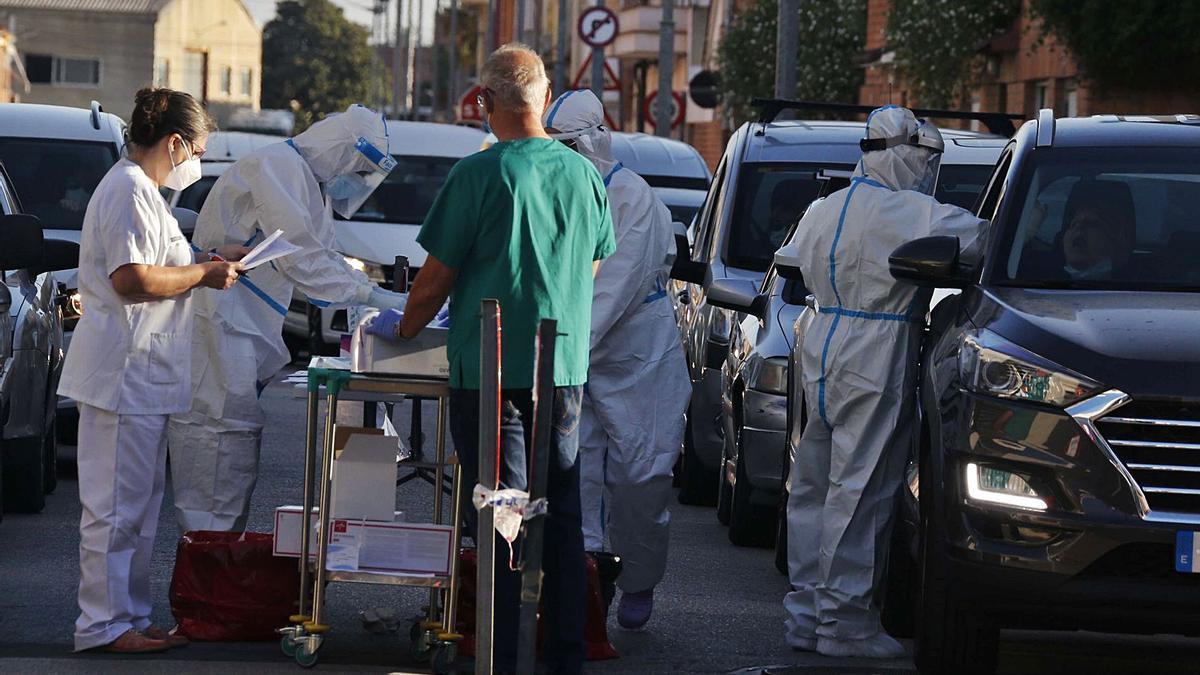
[(129, 357)]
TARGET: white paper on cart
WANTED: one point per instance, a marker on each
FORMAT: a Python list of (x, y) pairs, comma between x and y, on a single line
[(271, 248), (343, 552)]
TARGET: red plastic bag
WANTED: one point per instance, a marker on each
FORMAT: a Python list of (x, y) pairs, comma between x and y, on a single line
[(597, 646), (228, 586)]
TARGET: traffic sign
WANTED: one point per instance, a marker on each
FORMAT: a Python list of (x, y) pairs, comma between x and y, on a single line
[(583, 77), (598, 27), (677, 103), (704, 89), (468, 108)]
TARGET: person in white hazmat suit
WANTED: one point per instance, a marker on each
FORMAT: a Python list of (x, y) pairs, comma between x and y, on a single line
[(632, 417), (859, 363), (237, 343)]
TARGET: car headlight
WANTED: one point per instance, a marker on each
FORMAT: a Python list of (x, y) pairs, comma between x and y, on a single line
[(989, 364), (72, 308), (373, 271), (770, 376)]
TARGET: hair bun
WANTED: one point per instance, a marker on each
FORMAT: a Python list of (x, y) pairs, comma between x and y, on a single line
[(158, 111)]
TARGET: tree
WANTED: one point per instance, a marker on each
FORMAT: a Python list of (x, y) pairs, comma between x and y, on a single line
[(937, 42), (315, 60), (1127, 45), (831, 36)]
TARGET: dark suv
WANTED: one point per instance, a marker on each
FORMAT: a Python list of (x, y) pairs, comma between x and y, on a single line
[(1058, 467)]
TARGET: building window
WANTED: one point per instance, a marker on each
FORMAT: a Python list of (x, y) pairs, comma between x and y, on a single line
[(227, 80), (162, 72), (1041, 96), (247, 77), (60, 70), (195, 73), (1071, 104)]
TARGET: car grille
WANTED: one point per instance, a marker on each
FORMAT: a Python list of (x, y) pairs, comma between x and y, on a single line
[(1160, 445)]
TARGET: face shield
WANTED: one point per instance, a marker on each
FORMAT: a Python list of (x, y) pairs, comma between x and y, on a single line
[(577, 120), (902, 151), (347, 191)]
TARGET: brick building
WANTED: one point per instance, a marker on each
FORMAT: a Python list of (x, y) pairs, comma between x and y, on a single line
[(1019, 76)]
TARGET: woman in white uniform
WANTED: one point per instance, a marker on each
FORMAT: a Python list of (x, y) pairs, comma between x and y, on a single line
[(129, 366)]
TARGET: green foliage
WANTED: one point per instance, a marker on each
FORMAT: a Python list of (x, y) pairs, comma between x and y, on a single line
[(936, 42), (1129, 45), (315, 61), (830, 37)]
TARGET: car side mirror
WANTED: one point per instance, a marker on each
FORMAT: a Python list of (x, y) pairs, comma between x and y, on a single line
[(59, 255), (737, 295), (789, 272), (684, 268), (21, 243), (929, 262), (186, 218)]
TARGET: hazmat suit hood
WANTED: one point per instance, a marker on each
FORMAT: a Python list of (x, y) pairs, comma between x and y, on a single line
[(900, 151), (578, 116), (349, 154)]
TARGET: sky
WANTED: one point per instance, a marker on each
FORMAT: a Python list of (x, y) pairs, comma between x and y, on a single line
[(358, 11)]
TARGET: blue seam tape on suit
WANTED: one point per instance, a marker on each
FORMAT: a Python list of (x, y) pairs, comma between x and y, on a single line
[(615, 169), (557, 105)]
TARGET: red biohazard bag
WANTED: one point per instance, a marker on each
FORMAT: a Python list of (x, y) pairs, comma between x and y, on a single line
[(595, 630), (228, 586)]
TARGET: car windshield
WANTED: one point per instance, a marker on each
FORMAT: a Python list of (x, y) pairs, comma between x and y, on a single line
[(407, 193), (54, 179), (770, 199), (1105, 218), (960, 184)]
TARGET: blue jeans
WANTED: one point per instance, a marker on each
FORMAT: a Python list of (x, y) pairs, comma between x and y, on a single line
[(564, 589)]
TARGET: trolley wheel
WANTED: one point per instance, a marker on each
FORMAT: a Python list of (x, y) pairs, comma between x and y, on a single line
[(419, 646), (288, 646), (305, 659), (444, 655)]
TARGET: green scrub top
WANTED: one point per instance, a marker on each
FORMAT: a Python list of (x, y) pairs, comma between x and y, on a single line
[(521, 222)]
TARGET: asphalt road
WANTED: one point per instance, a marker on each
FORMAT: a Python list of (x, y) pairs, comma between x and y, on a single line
[(718, 610)]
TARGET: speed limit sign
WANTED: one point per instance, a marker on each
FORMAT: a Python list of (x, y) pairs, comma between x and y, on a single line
[(675, 111), (598, 27)]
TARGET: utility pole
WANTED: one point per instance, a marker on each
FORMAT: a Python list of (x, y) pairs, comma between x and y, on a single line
[(560, 64), (416, 57), (785, 48), (598, 67), (665, 99), (519, 22), (397, 86), (411, 64), (452, 97), (491, 29)]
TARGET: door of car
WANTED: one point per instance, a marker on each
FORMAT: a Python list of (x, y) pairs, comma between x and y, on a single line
[(691, 295)]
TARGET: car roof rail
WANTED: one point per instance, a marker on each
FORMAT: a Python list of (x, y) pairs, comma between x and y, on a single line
[(96, 110), (997, 123), (1045, 128)]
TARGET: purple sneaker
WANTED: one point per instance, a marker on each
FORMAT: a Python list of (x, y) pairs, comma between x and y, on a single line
[(634, 609)]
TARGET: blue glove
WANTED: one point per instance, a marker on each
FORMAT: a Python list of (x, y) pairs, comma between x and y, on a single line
[(386, 324)]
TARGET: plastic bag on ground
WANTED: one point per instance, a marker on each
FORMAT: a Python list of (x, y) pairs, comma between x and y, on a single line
[(227, 587)]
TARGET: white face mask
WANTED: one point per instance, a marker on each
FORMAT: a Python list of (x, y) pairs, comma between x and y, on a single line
[(184, 173)]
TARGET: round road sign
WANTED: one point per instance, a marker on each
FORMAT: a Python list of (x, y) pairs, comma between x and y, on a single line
[(598, 26), (677, 105), (704, 89)]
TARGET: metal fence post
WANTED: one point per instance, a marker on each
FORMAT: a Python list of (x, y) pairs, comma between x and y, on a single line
[(489, 452)]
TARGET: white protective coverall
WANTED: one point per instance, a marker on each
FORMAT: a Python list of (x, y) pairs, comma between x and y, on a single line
[(859, 373), (237, 343), (632, 418)]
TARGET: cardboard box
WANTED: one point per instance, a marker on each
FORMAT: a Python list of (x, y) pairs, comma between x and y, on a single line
[(388, 547), (364, 474), (423, 356)]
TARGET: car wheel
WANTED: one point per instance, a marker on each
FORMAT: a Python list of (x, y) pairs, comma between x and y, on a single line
[(316, 339), (50, 455), (950, 637), (697, 485), (24, 468), (749, 524)]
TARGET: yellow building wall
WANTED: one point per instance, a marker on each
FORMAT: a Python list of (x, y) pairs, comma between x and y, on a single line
[(228, 37)]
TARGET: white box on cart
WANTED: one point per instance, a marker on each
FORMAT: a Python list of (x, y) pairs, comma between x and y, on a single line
[(395, 547), (364, 473), (423, 356)]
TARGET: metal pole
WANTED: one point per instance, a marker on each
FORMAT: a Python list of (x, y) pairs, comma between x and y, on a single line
[(666, 70), (410, 48), (397, 89), (489, 451), (785, 48), (491, 29), (539, 14), (560, 63), (416, 56), (452, 98), (519, 22), (598, 67), (310, 469)]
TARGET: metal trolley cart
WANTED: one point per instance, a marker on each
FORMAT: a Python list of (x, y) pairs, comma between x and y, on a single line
[(434, 634)]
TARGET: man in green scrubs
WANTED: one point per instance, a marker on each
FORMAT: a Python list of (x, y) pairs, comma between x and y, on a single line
[(526, 222)]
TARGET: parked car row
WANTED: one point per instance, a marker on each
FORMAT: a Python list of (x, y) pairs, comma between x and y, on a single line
[(1055, 479)]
